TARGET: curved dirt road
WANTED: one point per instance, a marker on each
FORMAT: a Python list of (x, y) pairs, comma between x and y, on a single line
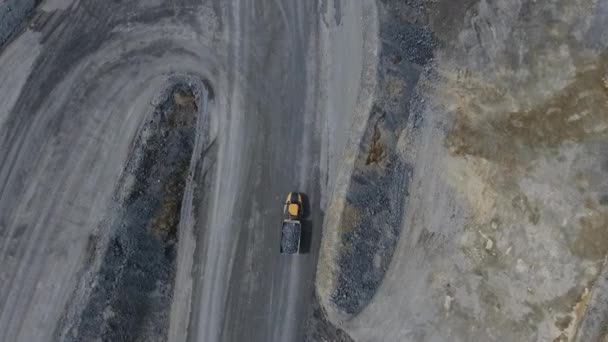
[(268, 149), (75, 90)]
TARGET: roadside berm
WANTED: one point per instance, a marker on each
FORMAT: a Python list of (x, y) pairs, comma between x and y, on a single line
[(128, 280)]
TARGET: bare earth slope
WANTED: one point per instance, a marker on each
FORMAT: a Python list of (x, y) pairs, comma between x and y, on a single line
[(503, 233)]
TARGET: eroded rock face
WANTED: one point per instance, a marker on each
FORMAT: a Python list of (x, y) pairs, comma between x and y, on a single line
[(526, 152), (503, 235)]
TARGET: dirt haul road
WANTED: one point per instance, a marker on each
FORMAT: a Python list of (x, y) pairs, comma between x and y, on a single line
[(110, 111)]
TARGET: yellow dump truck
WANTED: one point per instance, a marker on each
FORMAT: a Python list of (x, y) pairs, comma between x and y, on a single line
[(291, 230)]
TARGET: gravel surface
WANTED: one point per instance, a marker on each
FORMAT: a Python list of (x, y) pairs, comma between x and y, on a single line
[(320, 329), (79, 84), (13, 15)]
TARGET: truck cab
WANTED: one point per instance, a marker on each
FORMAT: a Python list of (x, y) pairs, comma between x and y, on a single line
[(293, 206)]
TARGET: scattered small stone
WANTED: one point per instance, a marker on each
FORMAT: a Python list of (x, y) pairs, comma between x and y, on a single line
[(447, 303), (489, 244), (521, 266), (108, 313), (573, 117)]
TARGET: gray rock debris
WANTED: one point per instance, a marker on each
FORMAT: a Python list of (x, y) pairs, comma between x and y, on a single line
[(12, 16)]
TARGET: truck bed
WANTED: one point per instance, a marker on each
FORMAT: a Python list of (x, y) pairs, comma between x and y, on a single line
[(290, 236)]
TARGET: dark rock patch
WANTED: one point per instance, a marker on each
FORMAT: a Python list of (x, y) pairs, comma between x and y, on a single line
[(378, 191), (131, 293)]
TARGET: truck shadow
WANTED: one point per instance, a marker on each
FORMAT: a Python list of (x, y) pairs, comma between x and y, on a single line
[(305, 206), (306, 238)]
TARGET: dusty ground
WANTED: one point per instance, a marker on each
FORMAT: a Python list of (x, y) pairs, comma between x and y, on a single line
[(455, 151), (504, 230), (79, 84)]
